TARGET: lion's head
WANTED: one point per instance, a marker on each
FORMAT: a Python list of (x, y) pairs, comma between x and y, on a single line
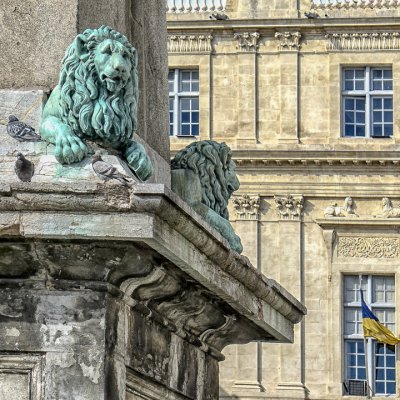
[(212, 162), (99, 86)]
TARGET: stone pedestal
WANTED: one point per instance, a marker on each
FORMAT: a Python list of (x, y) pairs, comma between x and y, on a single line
[(114, 293)]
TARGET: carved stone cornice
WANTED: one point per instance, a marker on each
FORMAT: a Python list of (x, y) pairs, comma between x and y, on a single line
[(247, 207), (289, 207), (368, 247), (364, 41), (289, 40), (152, 215), (189, 43), (247, 41)]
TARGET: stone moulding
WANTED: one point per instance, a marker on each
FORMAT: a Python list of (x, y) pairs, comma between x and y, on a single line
[(190, 43), (368, 247), (288, 40), (247, 207), (247, 41), (351, 4), (363, 41), (28, 366), (144, 214)]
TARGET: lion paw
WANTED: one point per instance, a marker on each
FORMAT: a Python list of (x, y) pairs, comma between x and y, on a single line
[(139, 161), (69, 148)]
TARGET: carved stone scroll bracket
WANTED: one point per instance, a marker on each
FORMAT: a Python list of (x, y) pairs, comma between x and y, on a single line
[(247, 207), (289, 207), (186, 309), (288, 40), (330, 240), (190, 43), (247, 41)]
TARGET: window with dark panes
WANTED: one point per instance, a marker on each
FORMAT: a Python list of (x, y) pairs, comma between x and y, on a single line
[(379, 294), (183, 102), (367, 102)]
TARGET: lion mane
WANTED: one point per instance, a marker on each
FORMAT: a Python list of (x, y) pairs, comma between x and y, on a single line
[(211, 161), (85, 104)]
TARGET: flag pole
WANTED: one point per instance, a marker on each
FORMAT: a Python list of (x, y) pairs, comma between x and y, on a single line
[(366, 367), (365, 349)]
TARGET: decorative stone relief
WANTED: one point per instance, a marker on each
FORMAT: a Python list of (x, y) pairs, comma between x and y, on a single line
[(346, 211), (388, 211), (247, 41), (349, 4), (189, 43), (289, 207), (247, 207), (364, 41), (289, 40), (368, 247)]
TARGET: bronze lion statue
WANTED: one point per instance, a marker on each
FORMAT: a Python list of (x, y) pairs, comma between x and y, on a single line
[(203, 174), (96, 99)]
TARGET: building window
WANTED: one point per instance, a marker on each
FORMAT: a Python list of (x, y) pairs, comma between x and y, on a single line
[(379, 294), (183, 102), (367, 101)]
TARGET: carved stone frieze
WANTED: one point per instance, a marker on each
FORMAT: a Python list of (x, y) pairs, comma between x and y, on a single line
[(247, 41), (189, 43), (352, 4), (289, 40), (289, 207), (368, 247), (364, 41), (247, 207), (348, 209)]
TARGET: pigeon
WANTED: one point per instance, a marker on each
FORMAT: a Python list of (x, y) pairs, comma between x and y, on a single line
[(107, 171), (21, 131), (24, 168), (311, 15), (220, 17)]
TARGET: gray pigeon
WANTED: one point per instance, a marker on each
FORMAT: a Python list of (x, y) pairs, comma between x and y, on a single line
[(311, 15), (217, 16), (24, 168), (107, 171), (21, 131)]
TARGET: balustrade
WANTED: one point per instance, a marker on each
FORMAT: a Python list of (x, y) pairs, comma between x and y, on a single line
[(195, 6)]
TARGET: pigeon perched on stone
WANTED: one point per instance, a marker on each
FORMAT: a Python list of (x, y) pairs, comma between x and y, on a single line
[(311, 15), (24, 168), (107, 171), (217, 16), (21, 131)]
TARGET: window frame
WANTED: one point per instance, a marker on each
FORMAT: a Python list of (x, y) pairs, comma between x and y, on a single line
[(367, 284), (368, 94), (177, 96)]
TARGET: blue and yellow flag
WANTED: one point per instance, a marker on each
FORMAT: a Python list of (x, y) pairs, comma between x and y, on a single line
[(373, 328)]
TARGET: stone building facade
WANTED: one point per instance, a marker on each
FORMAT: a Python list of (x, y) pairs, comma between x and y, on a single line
[(303, 92)]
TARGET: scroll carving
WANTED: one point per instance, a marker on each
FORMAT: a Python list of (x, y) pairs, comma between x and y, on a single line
[(364, 41), (247, 41), (368, 247), (289, 40), (247, 207), (289, 207), (189, 43)]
